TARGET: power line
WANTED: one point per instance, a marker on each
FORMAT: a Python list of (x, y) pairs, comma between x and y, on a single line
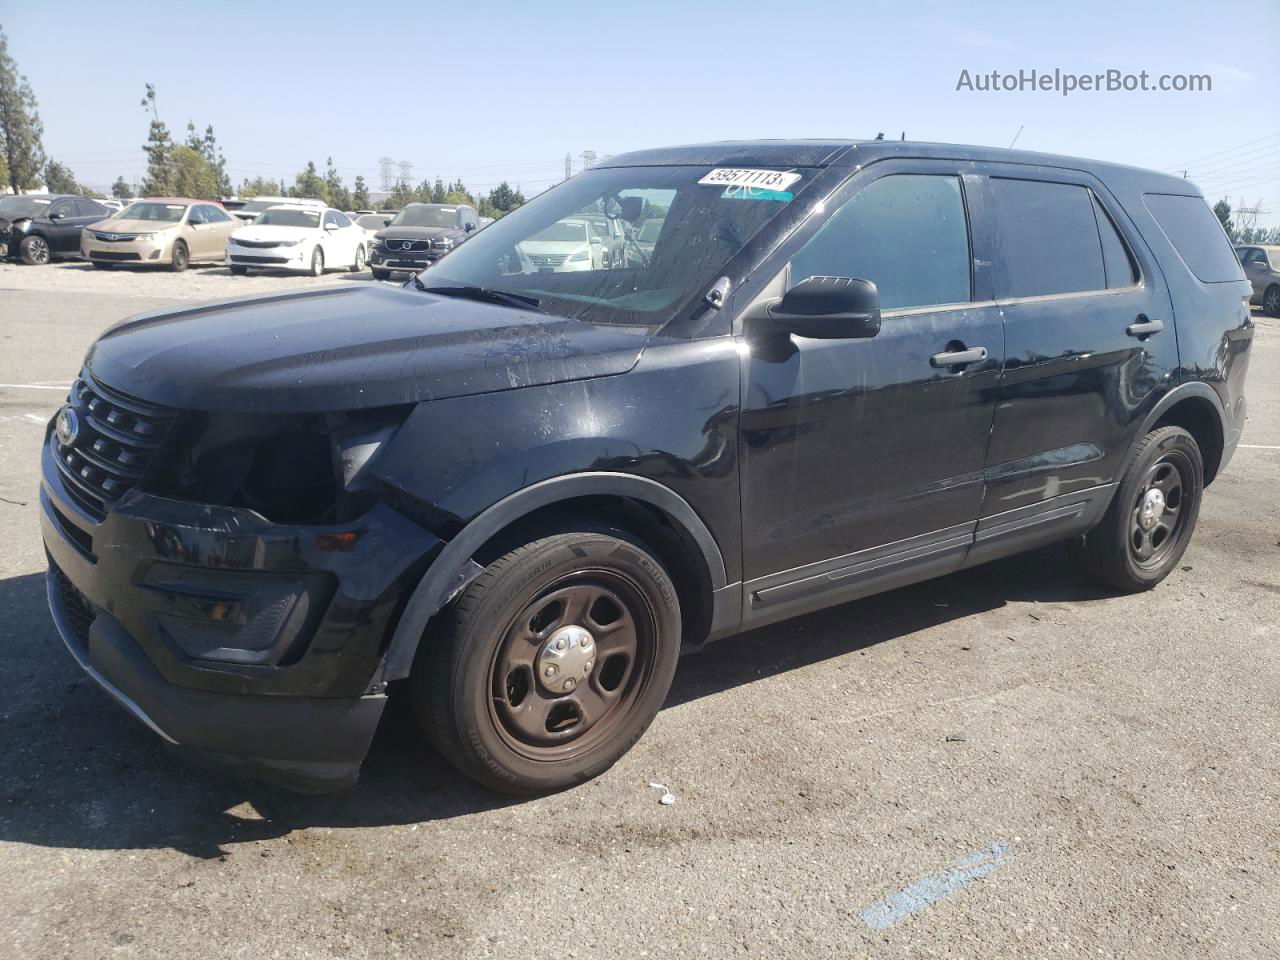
[(1186, 164)]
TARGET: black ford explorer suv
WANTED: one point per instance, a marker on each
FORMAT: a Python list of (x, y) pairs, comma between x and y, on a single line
[(420, 235), (839, 368)]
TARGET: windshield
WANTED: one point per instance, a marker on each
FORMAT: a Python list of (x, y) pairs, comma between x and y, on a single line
[(288, 217), (160, 212), (14, 208), (542, 249), (371, 221), (425, 215)]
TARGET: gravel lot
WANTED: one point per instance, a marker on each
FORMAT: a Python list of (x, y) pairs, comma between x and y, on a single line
[(1083, 774)]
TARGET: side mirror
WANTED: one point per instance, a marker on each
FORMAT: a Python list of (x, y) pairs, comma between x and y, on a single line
[(57, 216), (825, 308), (468, 227), (331, 226)]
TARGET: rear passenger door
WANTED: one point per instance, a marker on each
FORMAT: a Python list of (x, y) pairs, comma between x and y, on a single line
[(1089, 348)]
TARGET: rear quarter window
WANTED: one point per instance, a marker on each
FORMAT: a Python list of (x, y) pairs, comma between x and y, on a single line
[(1196, 235)]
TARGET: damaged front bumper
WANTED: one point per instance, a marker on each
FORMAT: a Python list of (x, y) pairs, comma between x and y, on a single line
[(249, 643)]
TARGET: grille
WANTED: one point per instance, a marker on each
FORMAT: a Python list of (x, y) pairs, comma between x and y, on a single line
[(116, 440), (113, 255), (76, 611), (397, 246), (256, 244), (115, 237), (245, 258), (548, 259)]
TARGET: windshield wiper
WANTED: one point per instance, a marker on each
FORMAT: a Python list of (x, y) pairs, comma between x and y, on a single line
[(485, 295)]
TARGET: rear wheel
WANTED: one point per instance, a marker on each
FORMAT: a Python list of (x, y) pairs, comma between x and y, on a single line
[(1150, 521), (552, 663), (99, 265), (1271, 300), (34, 250), (181, 257), (317, 262), (381, 274), (238, 270)]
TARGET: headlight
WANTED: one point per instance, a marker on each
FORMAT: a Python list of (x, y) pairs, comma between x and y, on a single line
[(444, 243), (291, 243), (146, 236), (580, 255)]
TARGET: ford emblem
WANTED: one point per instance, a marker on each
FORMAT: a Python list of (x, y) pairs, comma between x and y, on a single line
[(67, 426)]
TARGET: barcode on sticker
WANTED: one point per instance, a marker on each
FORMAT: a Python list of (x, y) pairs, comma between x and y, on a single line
[(761, 179)]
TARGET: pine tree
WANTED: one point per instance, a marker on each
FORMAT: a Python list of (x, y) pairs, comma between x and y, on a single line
[(360, 195), (120, 189), (21, 131), (158, 148)]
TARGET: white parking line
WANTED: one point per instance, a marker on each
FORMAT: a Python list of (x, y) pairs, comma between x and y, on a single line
[(64, 387), (1258, 446)]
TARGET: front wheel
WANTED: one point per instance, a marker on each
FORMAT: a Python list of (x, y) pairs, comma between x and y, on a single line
[(317, 262), (34, 250), (552, 663), (359, 264), (1271, 300), (1150, 521), (181, 257), (381, 274), (99, 265), (238, 269)]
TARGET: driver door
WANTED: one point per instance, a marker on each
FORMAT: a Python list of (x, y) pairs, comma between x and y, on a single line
[(862, 459)]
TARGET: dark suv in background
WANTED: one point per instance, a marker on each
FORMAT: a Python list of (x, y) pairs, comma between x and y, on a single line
[(517, 494), (39, 228), (419, 235)]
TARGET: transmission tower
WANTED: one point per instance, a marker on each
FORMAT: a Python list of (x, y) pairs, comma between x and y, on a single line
[(406, 172), (568, 165), (588, 158), (387, 177)]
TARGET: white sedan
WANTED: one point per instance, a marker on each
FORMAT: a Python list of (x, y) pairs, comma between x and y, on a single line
[(294, 238)]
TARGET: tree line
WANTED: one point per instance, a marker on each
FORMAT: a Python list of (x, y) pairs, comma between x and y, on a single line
[(1242, 229)]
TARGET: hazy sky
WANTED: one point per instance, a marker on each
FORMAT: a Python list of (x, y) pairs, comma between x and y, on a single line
[(488, 91)]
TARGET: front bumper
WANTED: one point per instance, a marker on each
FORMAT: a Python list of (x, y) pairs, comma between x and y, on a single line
[(128, 592), (296, 257), (137, 252), (380, 259)]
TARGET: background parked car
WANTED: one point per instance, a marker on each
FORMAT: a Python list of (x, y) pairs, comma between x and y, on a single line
[(371, 223), (249, 208), (420, 235), (564, 246), (1262, 267), (159, 231), (297, 238), (46, 227)]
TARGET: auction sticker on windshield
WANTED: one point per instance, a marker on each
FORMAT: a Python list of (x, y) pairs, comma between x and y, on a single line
[(777, 180)]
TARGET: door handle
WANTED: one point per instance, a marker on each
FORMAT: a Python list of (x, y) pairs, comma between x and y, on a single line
[(1144, 327), (958, 358)]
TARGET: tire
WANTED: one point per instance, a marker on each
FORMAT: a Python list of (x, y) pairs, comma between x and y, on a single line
[(99, 265), (34, 250), (381, 274), (479, 684), (1271, 300), (238, 270), (1121, 552), (181, 257), (359, 264), (317, 262)]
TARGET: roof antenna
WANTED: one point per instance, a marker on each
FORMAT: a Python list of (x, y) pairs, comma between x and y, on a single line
[(879, 136), (1015, 137), (903, 138)]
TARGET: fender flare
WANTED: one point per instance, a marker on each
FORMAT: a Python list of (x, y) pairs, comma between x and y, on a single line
[(1185, 391), (454, 569)]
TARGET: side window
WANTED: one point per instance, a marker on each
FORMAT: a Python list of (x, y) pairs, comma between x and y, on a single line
[(907, 233), (215, 215), (195, 216), (341, 219), (1197, 235), (330, 216), (63, 208), (1116, 258), (1048, 238), (87, 208)]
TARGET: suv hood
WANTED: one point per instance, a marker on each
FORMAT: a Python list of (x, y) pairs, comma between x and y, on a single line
[(340, 348)]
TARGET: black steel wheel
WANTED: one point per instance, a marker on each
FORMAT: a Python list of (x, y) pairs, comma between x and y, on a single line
[(1152, 516), (552, 663)]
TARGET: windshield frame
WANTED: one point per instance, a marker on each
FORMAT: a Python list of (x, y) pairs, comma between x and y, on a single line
[(261, 221), (156, 203), (38, 205), (444, 209), (686, 314)]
